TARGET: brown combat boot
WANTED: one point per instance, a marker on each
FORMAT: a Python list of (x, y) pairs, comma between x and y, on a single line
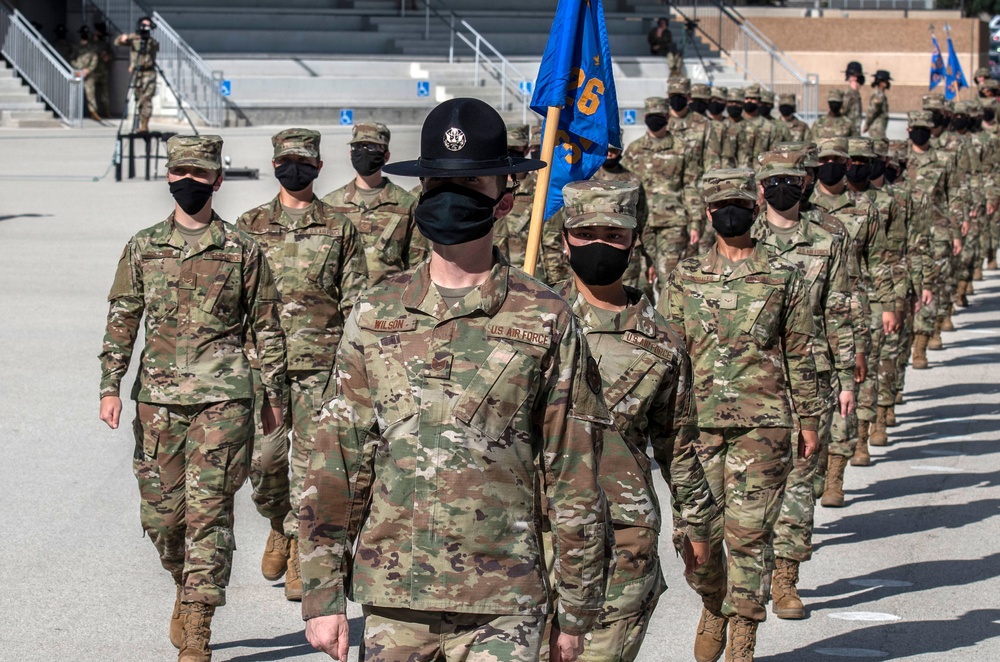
[(878, 434), (819, 476), (961, 299), (742, 640), (143, 126), (861, 457), (919, 360), (899, 397), (784, 591), (197, 632), (946, 323), (969, 290), (934, 343), (293, 580), (275, 560), (992, 265), (833, 495), (890, 415), (977, 273), (176, 621), (710, 641)]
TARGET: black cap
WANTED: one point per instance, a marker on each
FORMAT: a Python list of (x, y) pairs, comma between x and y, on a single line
[(853, 68), (463, 137), (882, 74)]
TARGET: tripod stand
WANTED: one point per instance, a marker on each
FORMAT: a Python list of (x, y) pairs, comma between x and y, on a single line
[(689, 28)]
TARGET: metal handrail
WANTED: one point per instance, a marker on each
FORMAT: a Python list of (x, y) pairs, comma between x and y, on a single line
[(753, 54), (182, 68), (486, 55), (45, 71)]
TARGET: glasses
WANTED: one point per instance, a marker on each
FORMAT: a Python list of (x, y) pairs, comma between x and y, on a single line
[(371, 148), (771, 182)]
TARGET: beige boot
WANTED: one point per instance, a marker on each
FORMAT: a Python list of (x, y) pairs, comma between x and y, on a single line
[(293, 580), (742, 639), (899, 397), (878, 434), (819, 476), (143, 126), (861, 457), (946, 323), (992, 265), (710, 641), (833, 495), (275, 560), (934, 343), (890, 415), (961, 298), (197, 632), (969, 290), (919, 359), (977, 273), (784, 590), (176, 622)]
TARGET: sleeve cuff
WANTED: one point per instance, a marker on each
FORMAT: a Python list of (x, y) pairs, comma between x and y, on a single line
[(809, 423), (323, 602)]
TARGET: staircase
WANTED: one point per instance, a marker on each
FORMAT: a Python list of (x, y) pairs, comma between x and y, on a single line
[(20, 107)]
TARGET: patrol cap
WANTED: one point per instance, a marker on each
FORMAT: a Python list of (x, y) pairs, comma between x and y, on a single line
[(679, 86), (920, 118), (780, 163), (932, 102), (594, 202), (975, 107), (881, 147), (701, 91), (729, 184), (835, 94), (517, 136), (982, 71), (200, 151), (656, 106), (831, 147), (463, 137), (370, 132), (860, 148), (767, 96), (990, 84), (963, 108), (719, 92), (808, 151), (786, 99), (301, 142), (735, 94), (535, 139), (751, 92)]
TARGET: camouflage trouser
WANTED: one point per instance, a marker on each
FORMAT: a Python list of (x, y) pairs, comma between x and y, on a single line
[(675, 62), (905, 343), (619, 640), (925, 319), (145, 89), (794, 528), (90, 93), (969, 256), (746, 469), (867, 391), (877, 129), (190, 460), (665, 247), (553, 265), (274, 494), (406, 635), (103, 93), (893, 345)]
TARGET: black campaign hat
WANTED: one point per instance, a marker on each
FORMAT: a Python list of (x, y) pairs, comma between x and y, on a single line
[(463, 137), (882, 74)]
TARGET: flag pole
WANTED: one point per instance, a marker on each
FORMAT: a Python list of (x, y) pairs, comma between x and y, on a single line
[(541, 190)]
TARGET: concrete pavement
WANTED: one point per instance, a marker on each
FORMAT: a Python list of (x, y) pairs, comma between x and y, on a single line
[(907, 571)]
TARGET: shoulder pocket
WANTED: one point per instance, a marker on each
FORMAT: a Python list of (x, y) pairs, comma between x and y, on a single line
[(497, 392), (762, 317), (391, 394)]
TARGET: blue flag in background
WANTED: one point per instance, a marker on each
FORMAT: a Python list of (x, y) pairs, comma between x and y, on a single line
[(576, 74), (955, 79), (937, 64)]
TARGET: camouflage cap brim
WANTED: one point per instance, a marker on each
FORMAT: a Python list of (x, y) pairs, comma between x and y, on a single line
[(193, 161), (605, 219), (776, 170)]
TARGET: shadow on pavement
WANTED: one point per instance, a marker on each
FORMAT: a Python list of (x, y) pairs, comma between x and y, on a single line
[(11, 217), (947, 391), (924, 575), (903, 639), (925, 482), (285, 646)]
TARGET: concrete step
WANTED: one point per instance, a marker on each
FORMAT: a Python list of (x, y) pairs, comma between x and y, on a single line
[(37, 119)]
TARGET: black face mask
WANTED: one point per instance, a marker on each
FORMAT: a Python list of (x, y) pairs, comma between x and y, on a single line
[(786, 110), (920, 136), (296, 176), (655, 122), (765, 109), (751, 107), (831, 172), (716, 107), (878, 169), (191, 195), (732, 221), (808, 193), (891, 174), (783, 196), (677, 103), (858, 173), (598, 263), (945, 122), (367, 163), (698, 106), (734, 111), (960, 124), (835, 107), (612, 163), (989, 114), (452, 214)]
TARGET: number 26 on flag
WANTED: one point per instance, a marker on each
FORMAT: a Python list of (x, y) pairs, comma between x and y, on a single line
[(590, 98)]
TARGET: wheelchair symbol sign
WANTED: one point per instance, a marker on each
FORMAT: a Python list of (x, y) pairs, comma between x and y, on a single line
[(346, 117), (423, 88), (226, 88), (628, 117)]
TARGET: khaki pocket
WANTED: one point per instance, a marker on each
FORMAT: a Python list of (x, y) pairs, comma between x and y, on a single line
[(497, 392), (762, 319), (389, 377), (765, 486)]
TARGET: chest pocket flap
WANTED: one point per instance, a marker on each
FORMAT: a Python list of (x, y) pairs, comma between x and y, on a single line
[(392, 397), (497, 391), (763, 315)]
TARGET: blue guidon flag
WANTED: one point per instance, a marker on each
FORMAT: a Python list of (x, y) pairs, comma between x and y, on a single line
[(576, 73), (954, 78), (937, 64)]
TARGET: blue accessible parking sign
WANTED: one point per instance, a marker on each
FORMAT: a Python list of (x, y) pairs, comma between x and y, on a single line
[(423, 88), (628, 117), (346, 117)]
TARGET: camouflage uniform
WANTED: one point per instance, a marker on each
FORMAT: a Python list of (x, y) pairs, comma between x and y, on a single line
[(749, 332), (319, 269), (834, 126), (87, 57), (738, 144), (511, 232), (877, 117), (384, 221), (695, 131), (664, 167), (105, 56), (852, 110), (635, 275), (646, 378), (143, 69), (822, 259), (781, 131), (193, 426), (760, 130), (797, 130)]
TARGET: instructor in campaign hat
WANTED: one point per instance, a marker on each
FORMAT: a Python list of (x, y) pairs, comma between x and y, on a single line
[(467, 419)]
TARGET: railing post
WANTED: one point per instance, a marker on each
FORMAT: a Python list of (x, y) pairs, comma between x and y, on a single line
[(427, 21), (477, 61), (451, 41), (503, 84)]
